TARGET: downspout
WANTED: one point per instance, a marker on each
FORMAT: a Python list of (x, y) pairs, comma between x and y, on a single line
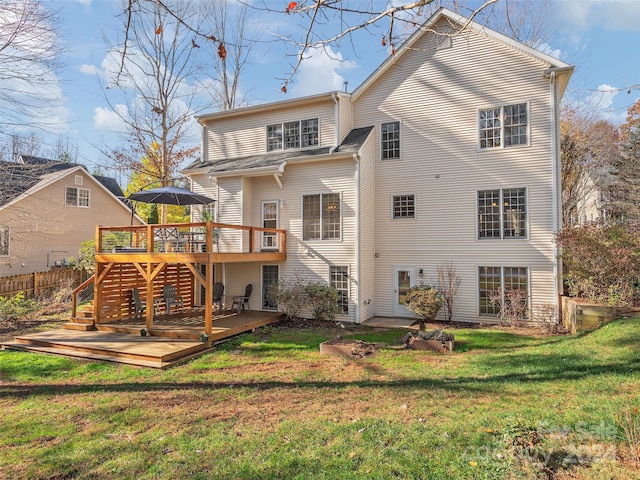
[(556, 193), (356, 159), (336, 122)]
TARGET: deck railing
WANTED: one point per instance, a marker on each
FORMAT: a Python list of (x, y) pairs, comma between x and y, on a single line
[(201, 237), (81, 294)]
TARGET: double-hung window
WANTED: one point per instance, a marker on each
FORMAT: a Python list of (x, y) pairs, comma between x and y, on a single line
[(339, 279), (76, 197), (4, 241), (404, 206), (502, 213), (292, 135), (504, 126), (390, 140), (495, 282), (321, 218)]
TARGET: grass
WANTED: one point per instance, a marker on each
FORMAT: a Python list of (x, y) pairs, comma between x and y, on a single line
[(267, 405)]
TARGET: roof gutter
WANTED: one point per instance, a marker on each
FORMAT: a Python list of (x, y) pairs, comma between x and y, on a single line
[(556, 186)]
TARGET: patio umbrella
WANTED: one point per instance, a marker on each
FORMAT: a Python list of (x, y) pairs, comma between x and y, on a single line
[(170, 196)]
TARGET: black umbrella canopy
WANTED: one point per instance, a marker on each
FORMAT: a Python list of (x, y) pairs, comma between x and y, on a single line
[(170, 196)]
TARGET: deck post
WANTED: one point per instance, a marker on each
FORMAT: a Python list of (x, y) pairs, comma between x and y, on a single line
[(208, 285), (150, 305)]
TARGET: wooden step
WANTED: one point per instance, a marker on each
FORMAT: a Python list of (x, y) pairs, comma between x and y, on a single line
[(115, 347), (156, 331), (78, 326)]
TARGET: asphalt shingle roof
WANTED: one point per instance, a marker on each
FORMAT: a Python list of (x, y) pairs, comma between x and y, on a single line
[(351, 144)]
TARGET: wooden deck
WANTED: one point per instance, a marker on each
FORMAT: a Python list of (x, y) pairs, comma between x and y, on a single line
[(171, 340)]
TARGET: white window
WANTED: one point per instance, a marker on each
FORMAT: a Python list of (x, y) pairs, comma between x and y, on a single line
[(4, 241), (78, 179), (404, 206), (503, 126), (321, 219), (292, 135), (209, 212), (493, 280), (269, 220), (502, 213), (390, 140), (76, 197), (269, 277), (339, 279)]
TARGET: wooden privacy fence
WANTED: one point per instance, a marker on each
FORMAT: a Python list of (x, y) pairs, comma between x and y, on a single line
[(38, 283)]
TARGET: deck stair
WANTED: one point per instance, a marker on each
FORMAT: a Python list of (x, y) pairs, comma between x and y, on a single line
[(153, 352), (83, 319)]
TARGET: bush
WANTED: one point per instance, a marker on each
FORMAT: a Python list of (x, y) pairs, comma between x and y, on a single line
[(601, 262), (290, 297), (16, 307), (425, 301), (323, 300)]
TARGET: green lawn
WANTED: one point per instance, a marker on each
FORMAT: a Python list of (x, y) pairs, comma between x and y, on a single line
[(268, 405)]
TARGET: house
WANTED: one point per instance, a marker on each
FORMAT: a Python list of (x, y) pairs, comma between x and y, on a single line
[(48, 208), (447, 153)]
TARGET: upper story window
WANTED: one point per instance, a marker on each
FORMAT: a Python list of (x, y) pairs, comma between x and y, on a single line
[(321, 216), (76, 197), (503, 126), (390, 140), (288, 135), (404, 206), (4, 241), (502, 213)]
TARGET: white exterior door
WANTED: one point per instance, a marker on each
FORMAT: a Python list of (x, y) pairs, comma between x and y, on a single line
[(403, 280), (270, 220)]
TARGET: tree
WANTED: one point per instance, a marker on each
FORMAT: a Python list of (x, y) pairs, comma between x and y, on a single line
[(325, 23), (237, 41), (30, 49), (157, 60), (625, 192), (448, 284), (588, 149)]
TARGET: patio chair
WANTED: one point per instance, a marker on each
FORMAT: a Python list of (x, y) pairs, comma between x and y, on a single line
[(242, 300), (171, 298), (139, 305), (218, 293)]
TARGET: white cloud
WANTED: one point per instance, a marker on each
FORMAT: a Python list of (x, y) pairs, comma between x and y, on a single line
[(601, 101), (546, 48), (319, 72), (612, 15), (110, 121), (89, 69)]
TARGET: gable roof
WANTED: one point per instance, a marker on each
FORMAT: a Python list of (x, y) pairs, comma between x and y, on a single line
[(563, 69), (274, 162), (31, 174), (19, 177)]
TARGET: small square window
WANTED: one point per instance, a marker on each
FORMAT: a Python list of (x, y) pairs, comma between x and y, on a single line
[(404, 206)]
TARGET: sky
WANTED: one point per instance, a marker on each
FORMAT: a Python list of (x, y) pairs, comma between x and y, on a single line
[(600, 37)]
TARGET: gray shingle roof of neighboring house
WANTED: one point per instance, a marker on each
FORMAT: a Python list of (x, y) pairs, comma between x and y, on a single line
[(351, 144), (18, 177)]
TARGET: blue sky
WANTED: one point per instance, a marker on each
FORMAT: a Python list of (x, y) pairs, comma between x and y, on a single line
[(600, 37)]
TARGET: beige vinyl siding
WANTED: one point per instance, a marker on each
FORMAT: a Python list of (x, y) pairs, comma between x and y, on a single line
[(311, 259), (345, 109), (243, 135), (440, 164), (230, 208), (367, 274), (44, 230), (202, 184)]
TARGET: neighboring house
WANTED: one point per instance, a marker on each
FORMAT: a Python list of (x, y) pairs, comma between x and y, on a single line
[(448, 152), (48, 208)]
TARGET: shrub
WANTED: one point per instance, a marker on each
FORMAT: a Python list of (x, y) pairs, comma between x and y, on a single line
[(513, 304), (425, 301), (601, 262), (323, 300), (16, 307), (290, 296)]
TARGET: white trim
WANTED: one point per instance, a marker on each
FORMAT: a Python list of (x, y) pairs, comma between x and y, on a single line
[(415, 206), (282, 138), (263, 235), (502, 146), (262, 265), (392, 159)]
